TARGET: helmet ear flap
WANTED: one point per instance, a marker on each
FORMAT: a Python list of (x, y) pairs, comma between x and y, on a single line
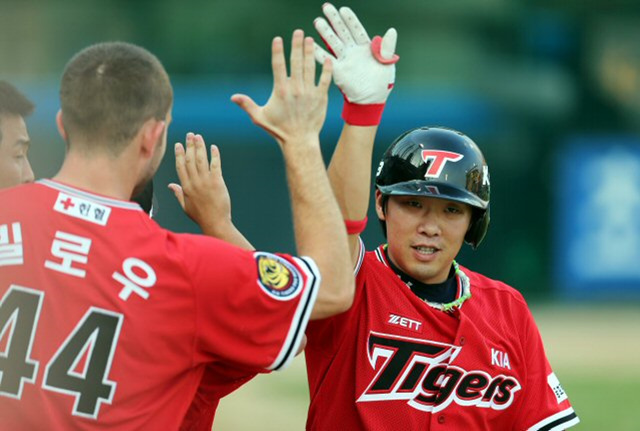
[(478, 229)]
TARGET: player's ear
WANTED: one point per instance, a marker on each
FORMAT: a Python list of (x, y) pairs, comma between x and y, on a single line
[(151, 134), (380, 201), (60, 125)]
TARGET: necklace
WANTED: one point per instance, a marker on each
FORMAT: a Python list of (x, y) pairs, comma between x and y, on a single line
[(466, 293), (447, 307)]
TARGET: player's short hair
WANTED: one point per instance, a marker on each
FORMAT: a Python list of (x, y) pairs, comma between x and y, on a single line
[(108, 91), (13, 103)]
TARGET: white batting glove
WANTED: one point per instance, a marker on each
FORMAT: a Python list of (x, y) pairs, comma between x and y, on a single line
[(363, 69)]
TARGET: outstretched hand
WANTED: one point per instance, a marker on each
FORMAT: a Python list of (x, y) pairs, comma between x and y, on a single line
[(297, 107), (202, 192)]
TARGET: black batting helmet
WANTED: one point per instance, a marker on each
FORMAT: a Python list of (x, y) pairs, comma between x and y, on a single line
[(441, 163)]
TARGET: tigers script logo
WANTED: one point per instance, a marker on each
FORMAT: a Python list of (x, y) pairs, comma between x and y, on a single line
[(419, 371)]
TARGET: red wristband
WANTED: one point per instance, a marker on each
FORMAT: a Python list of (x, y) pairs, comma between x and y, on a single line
[(355, 227), (362, 115)]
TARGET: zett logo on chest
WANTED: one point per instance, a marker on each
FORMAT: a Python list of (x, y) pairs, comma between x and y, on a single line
[(404, 322)]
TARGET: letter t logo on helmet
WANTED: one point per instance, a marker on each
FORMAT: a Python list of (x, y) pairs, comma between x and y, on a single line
[(439, 159)]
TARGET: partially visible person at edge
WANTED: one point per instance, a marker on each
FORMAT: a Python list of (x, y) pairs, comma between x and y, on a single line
[(115, 318), (14, 138), (428, 343)]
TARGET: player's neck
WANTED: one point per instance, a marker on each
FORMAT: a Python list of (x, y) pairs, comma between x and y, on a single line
[(98, 174)]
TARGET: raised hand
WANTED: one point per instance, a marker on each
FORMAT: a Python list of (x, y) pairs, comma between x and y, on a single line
[(202, 192), (297, 107), (364, 70), (294, 115)]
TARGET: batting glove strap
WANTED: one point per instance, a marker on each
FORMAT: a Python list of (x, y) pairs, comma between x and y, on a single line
[(362, 115)]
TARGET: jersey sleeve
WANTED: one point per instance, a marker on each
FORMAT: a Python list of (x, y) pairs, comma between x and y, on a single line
[(545, 406), (323, 335), (252, 307)]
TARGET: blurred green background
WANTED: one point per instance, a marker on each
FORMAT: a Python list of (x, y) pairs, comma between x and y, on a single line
[(522, 78)]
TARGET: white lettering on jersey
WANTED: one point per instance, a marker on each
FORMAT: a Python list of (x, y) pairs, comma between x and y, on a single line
[(69, 249), (132, 282), (555, 386), (82, 208), (11, 250), (500, 358), (405, 322)]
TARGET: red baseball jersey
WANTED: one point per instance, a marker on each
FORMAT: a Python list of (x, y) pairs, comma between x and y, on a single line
[(215, 384), (394, 362), (107, 321)]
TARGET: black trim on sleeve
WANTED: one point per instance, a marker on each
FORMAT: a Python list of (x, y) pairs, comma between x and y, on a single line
[(300, 325), (552, 426)]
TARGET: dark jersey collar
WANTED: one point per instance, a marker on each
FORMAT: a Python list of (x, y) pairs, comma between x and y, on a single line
[(447, 295)]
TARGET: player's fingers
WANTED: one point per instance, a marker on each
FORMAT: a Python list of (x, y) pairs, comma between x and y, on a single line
[(278, 64), (216, 161), (297, 56), (178, 193), (248, 105), (190, 158), (388, 46), (356, 29), (325, 75), (201, 162), (338, 24), (320, 54), (216, 169), (309, 63), (255, 113), (329, 37), (181, 167)]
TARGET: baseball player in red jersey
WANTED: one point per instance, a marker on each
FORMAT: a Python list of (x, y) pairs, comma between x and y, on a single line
[(107, 320), (428, 343)]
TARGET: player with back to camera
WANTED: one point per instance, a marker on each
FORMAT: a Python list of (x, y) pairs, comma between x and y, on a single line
[(113, 319), (14, 138), (16, 169), (428, 343)]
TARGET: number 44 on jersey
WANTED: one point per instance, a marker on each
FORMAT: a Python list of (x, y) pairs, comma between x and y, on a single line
[(94, 339)]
